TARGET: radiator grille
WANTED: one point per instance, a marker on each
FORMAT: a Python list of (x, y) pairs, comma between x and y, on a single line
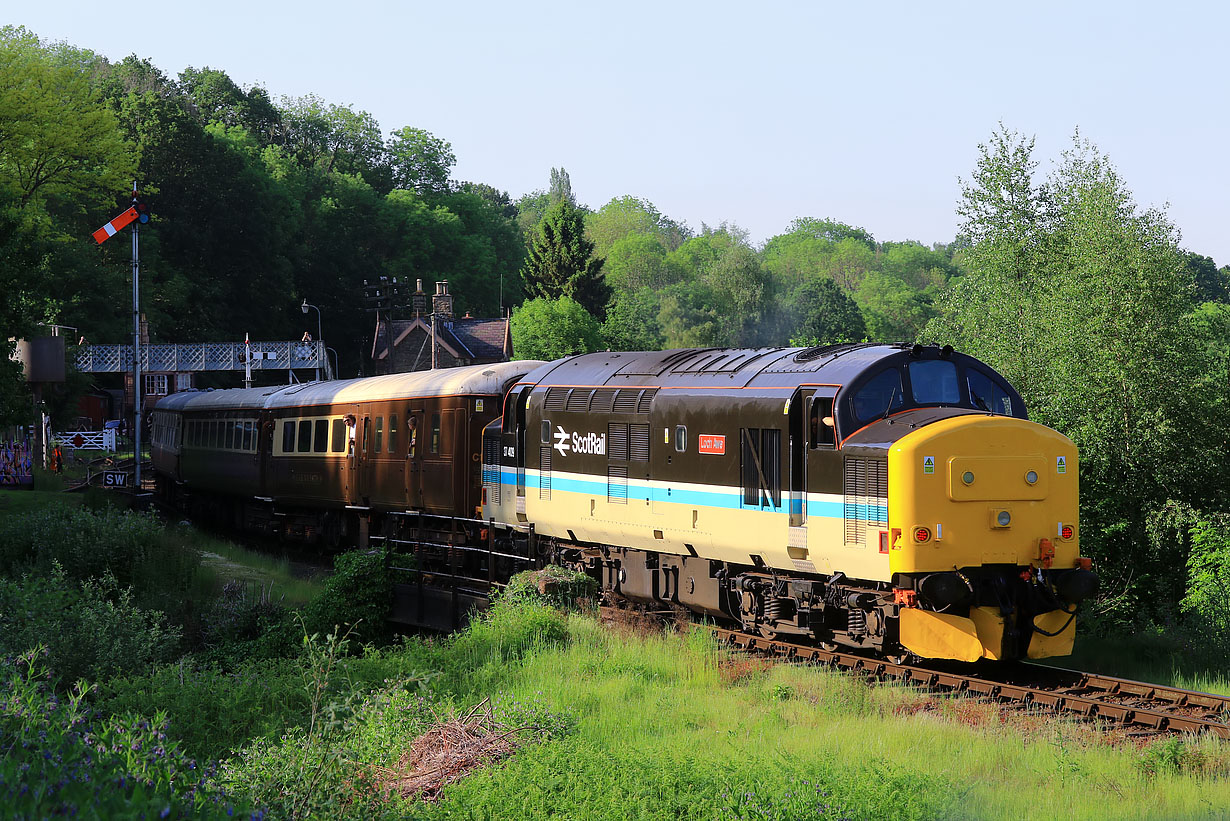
[(866, 498), (646, 398), (617, 441), (544, 473), (639, 438), (578, 400), (617, 484), (626, 399), (491, 468)]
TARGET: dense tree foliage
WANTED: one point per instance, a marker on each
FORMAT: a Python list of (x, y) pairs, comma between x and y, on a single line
[(561, 260), (1085, 301), (544, 328)]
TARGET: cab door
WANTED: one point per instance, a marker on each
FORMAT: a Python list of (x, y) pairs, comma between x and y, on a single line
[(800, 419)]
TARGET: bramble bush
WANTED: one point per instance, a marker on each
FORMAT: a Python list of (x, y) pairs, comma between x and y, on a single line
[(92, 631), (62, 760), (88, 544)]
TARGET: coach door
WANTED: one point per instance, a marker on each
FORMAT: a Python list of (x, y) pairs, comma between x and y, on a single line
[(349, 444), (414, 458), (363, 462)]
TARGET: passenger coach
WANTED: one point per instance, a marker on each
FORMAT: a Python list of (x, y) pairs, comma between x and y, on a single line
[(306, 461)]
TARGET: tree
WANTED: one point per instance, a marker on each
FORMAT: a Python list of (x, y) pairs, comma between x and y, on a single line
[(56, 138), (545, 328), (634, 262), (561, 261), (894, 310), (828, 315), (560, 187), (625, 217), (420, 161), (632, 321), (1084, 301)]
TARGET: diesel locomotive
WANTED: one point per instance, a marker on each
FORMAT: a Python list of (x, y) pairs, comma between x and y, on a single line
[(893, 498)]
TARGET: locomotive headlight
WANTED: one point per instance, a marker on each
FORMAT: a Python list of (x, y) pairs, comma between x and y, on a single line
[(968, 477), (1032, 477), (1003, 518)]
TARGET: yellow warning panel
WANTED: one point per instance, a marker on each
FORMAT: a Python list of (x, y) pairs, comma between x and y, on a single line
[(939, 635), (990, 624), (1041, 647)]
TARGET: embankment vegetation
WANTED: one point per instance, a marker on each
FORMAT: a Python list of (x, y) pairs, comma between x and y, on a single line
[(116, 703)]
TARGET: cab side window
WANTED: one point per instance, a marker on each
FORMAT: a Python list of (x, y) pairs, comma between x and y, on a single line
[(821, 434)]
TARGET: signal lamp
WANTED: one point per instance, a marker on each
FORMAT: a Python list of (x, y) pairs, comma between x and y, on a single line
[(1067, 532), (142, 212), (968, 477), (1032, 477), (1003, 518), (922, 534)]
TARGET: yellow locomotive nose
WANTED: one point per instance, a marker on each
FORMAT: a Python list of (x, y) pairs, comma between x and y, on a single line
[(991, 555), (985, 490)]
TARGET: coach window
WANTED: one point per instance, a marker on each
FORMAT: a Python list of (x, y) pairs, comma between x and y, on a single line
[(320, 436), (435, 433), (288, 436), (379, 434), (934, 382), (544, 433), (681, 438), (305, 437), (249, 435), (393, 433), (880, 395), (339, 435)]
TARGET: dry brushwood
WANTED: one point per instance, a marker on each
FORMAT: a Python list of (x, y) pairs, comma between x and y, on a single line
[(448, 752)]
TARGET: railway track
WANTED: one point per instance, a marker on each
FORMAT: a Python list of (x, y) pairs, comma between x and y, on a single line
[(1144, 709)]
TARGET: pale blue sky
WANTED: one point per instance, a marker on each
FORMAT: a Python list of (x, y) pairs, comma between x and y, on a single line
[(749, 113)]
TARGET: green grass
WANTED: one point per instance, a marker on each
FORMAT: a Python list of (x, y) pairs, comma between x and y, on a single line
[(223, 560), (1148, 655), (672, 726), (668, 728)]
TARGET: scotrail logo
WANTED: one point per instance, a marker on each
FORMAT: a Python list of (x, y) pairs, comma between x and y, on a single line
[(579, 442)]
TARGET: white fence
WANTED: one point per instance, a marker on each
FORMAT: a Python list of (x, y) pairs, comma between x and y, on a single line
[(88, 439)]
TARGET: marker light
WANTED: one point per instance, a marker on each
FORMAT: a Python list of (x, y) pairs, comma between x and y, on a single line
[(968, 477), (922, 534), (1003, 518), (1067, 532), (1032, 477)]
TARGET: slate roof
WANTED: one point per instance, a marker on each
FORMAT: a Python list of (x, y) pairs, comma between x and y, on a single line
[(476, 340)]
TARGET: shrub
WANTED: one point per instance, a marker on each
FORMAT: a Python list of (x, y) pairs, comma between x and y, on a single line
[(552, 585), (60, 759), (358, 593), (93, 631), (1208, 588), (87, 544)]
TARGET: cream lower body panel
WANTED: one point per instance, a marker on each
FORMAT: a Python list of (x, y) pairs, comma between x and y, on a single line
[(708, 520)]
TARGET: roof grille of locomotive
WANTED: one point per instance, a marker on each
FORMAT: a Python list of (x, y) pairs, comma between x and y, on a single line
[(556, 399), (578, 400)]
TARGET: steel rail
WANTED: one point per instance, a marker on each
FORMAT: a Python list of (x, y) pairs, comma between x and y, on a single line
[(1154, 708)]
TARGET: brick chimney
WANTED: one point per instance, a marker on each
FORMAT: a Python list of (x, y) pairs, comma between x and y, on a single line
[(442, 302), (418, 303)]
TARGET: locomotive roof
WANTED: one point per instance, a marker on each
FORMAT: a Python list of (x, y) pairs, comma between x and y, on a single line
[(470, 379), (720, 367)]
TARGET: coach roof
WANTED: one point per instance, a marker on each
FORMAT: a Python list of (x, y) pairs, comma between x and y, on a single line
[(489, 379)]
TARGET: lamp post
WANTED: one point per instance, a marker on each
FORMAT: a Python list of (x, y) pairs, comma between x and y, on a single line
[(319, 334)]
